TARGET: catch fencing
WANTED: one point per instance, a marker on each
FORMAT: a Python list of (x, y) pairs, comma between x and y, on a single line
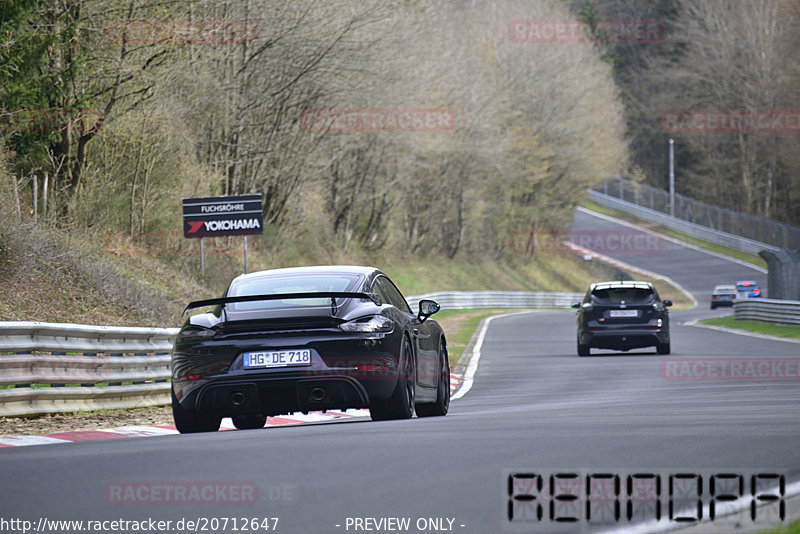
[(770, 310), (58, 367), (696, 218)]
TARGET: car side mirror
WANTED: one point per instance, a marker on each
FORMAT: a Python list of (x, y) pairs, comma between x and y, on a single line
[(427, 308), (575, 305), (667, 303)]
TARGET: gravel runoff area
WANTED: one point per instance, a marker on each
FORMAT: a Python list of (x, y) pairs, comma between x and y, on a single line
[(68, 422)]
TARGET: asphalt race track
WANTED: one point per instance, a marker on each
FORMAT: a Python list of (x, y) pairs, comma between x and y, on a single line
[(535, 408)]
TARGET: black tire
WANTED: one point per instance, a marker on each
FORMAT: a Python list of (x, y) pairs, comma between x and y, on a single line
[(249, 422), (442, 404), (663, 348), (189, 422), (401, 403), (713, 306), (583, 350)]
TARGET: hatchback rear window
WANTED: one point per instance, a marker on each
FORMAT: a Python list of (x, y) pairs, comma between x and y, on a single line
[(630, 295)]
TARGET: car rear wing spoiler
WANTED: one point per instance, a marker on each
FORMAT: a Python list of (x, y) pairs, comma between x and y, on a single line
[(333, 295)]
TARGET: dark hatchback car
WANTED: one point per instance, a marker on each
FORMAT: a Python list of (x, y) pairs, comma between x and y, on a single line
[(622, 316), (308, 338)]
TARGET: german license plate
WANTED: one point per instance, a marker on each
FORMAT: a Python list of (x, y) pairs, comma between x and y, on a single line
[(623, 313), (276, 358)]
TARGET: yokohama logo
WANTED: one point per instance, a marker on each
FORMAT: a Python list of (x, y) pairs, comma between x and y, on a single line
[(221, 226)]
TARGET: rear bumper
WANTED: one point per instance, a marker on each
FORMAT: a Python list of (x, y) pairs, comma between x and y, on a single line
[(275, 394), (346, 371), (624, 339)]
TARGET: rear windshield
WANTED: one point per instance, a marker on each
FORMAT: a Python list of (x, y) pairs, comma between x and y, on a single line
[(291, 284), (749, 286), (630, 295), (725, 290)]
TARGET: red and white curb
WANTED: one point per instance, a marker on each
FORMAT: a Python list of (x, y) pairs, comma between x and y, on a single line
[(161, 430)]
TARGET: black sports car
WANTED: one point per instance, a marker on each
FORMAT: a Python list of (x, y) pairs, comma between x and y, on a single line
[(622, 316), (308, 338)]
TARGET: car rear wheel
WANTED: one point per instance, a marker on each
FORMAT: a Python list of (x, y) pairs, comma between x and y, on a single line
[(249, 422), (401, 404), (442, 404), (583, 350), (663, 348), (189, 422), (713, 306)]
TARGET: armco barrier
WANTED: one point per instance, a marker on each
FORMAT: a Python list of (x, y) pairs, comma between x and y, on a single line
[(55, 367), (454, 300), (82, 367), (770, 310)]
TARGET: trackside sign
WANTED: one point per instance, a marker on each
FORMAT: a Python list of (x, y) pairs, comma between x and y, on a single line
[(222, 216)]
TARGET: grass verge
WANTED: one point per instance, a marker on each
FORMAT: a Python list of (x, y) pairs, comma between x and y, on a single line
[(791, 528), (759, 327), (713, 247)]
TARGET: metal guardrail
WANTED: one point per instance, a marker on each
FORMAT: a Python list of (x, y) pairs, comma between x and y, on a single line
[(770, 310), (679, 225), (726, 221), (82, 367), (454, 300)]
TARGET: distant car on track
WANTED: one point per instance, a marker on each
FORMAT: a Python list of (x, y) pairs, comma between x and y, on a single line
[(723, 295), (622, 316), (747, 289), (308, 338)]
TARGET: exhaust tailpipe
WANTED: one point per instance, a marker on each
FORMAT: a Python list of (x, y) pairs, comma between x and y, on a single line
[(238, 398), (318, 394)]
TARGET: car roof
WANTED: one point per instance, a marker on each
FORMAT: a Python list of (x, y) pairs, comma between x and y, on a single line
[(635, 284), (309, 270), (724, 286), (751, 282)]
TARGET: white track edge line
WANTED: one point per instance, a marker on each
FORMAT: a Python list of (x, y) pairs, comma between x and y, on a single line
[(759, 335), (472, 367)]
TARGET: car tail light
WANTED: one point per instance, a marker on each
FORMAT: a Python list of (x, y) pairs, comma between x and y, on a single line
[(196, 332), (192, 377), (376, 323), (372, 368), (756, 292)]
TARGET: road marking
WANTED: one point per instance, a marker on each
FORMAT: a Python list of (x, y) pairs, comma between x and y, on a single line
[(469, 375), (695, 323), (21, 441)]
